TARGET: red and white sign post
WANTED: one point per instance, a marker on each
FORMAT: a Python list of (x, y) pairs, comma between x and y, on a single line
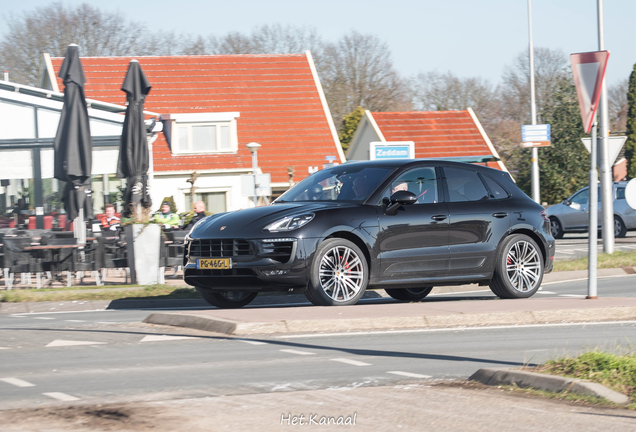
[(589, 70)]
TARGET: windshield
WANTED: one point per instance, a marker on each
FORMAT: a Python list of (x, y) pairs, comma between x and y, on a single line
[(340, 183)]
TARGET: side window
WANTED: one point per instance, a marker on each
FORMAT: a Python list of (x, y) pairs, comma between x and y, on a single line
[(581, 197), (464, 185), (421, 181), (498, 192), (620, 193)]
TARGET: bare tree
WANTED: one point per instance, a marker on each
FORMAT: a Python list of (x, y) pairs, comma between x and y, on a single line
[(52, 28), (617, 104), (268, 39), (434, 91), (549, 66), (358, 71)]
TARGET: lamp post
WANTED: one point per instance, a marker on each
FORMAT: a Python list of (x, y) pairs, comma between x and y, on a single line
[(253, 148)]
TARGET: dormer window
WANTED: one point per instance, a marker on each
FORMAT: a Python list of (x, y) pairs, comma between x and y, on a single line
[(202, 133)]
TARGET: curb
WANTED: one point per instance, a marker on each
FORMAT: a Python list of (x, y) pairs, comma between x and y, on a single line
[(241, 328), (552, 383)]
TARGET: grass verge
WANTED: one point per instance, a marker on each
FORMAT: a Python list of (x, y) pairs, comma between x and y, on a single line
[(152, 292), (615, 371), (615, 260)]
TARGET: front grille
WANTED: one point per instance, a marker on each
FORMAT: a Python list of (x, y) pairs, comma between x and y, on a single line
[(279, 250), (217, 248), (226, 272)]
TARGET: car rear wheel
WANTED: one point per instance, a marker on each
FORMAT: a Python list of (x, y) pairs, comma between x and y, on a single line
[(519, 268), (338, 275), (619, 227), (228, 299), (409, 294), (555, 228)]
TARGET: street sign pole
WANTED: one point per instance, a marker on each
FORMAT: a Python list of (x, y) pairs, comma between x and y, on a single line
[(607, 199), (593, 214), (536, 192)]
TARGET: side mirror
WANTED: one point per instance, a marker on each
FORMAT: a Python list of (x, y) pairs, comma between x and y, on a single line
[(566, 202), (400, 198), (403, 197)]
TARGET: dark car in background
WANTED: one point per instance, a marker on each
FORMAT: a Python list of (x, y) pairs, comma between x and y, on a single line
[(573, 214), (402, 226)]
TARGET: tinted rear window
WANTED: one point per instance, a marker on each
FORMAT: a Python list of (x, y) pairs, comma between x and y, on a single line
[(620, 193)]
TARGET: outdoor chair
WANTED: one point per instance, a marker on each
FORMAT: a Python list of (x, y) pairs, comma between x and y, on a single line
[(89, 258), (114, 255), (58, 261), (18, 260), (175, 250)]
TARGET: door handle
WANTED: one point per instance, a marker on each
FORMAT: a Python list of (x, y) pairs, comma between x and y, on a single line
[(500, 214), (439, 217)]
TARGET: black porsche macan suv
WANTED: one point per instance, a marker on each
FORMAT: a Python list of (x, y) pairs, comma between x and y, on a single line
[(402, 226)]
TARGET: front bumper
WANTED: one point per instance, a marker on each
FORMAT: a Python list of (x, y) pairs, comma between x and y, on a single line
[(267, 264)]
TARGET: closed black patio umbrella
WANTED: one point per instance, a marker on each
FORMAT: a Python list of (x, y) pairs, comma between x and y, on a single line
[(73, 145), (133, 159)]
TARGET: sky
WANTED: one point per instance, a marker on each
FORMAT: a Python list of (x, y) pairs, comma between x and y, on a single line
[(470, 38)]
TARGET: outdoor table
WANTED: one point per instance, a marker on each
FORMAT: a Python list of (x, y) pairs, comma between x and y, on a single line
[(55, 257)]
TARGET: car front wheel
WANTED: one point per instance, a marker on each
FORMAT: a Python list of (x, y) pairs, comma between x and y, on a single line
[(338, 275), (519, 268), (409, 294), (228, 299)]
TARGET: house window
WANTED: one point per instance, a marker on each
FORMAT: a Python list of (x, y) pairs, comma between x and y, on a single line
[(204, 133), (215, 202)]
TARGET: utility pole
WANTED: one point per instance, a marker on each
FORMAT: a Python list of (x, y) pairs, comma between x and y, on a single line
[(536, 192), (607, 185)]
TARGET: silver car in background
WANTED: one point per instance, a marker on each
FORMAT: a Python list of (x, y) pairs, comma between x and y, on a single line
[(572, 215)]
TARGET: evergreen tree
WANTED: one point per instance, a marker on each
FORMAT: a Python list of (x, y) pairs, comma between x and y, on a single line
[(630, 145), (563, 167), (349, 126)]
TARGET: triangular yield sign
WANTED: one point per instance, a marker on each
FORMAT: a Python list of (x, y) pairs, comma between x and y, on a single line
[(60, 342), (160, 338), (589, 71), (615, 146)]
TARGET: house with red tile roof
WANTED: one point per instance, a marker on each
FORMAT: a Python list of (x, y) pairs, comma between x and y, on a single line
[(432, 134), (212, 106)]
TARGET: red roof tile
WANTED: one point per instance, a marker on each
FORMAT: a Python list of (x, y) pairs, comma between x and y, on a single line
[(276, 95), (435, 133)]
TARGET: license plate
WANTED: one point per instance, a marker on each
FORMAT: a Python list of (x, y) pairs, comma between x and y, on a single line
[(214, 263)]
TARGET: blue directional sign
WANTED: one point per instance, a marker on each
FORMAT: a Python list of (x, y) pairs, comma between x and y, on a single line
[(535, 135), (392, 150)]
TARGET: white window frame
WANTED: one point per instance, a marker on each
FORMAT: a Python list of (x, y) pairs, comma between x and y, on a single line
[(203, 190), (204, 119)]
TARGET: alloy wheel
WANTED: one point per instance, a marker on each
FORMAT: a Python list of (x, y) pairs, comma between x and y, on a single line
[(341, 273), (523, 266), (554, 228)]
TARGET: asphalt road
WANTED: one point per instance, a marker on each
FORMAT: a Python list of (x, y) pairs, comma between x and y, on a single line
[(573, 246), (109, 356)]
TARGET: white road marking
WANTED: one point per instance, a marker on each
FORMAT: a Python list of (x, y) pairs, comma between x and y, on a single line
[(455, 329), (251, 342), (16, 316), (409, 374), (75, 320), (60, 343), (61, 396), (5, 348), (25, 314), (291, 351), (572, 295), (17, 382), (43, 318), (545, 292), (162, 338), (351, 362)]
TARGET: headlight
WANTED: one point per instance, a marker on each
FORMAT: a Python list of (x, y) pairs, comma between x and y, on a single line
[(290, 223)]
